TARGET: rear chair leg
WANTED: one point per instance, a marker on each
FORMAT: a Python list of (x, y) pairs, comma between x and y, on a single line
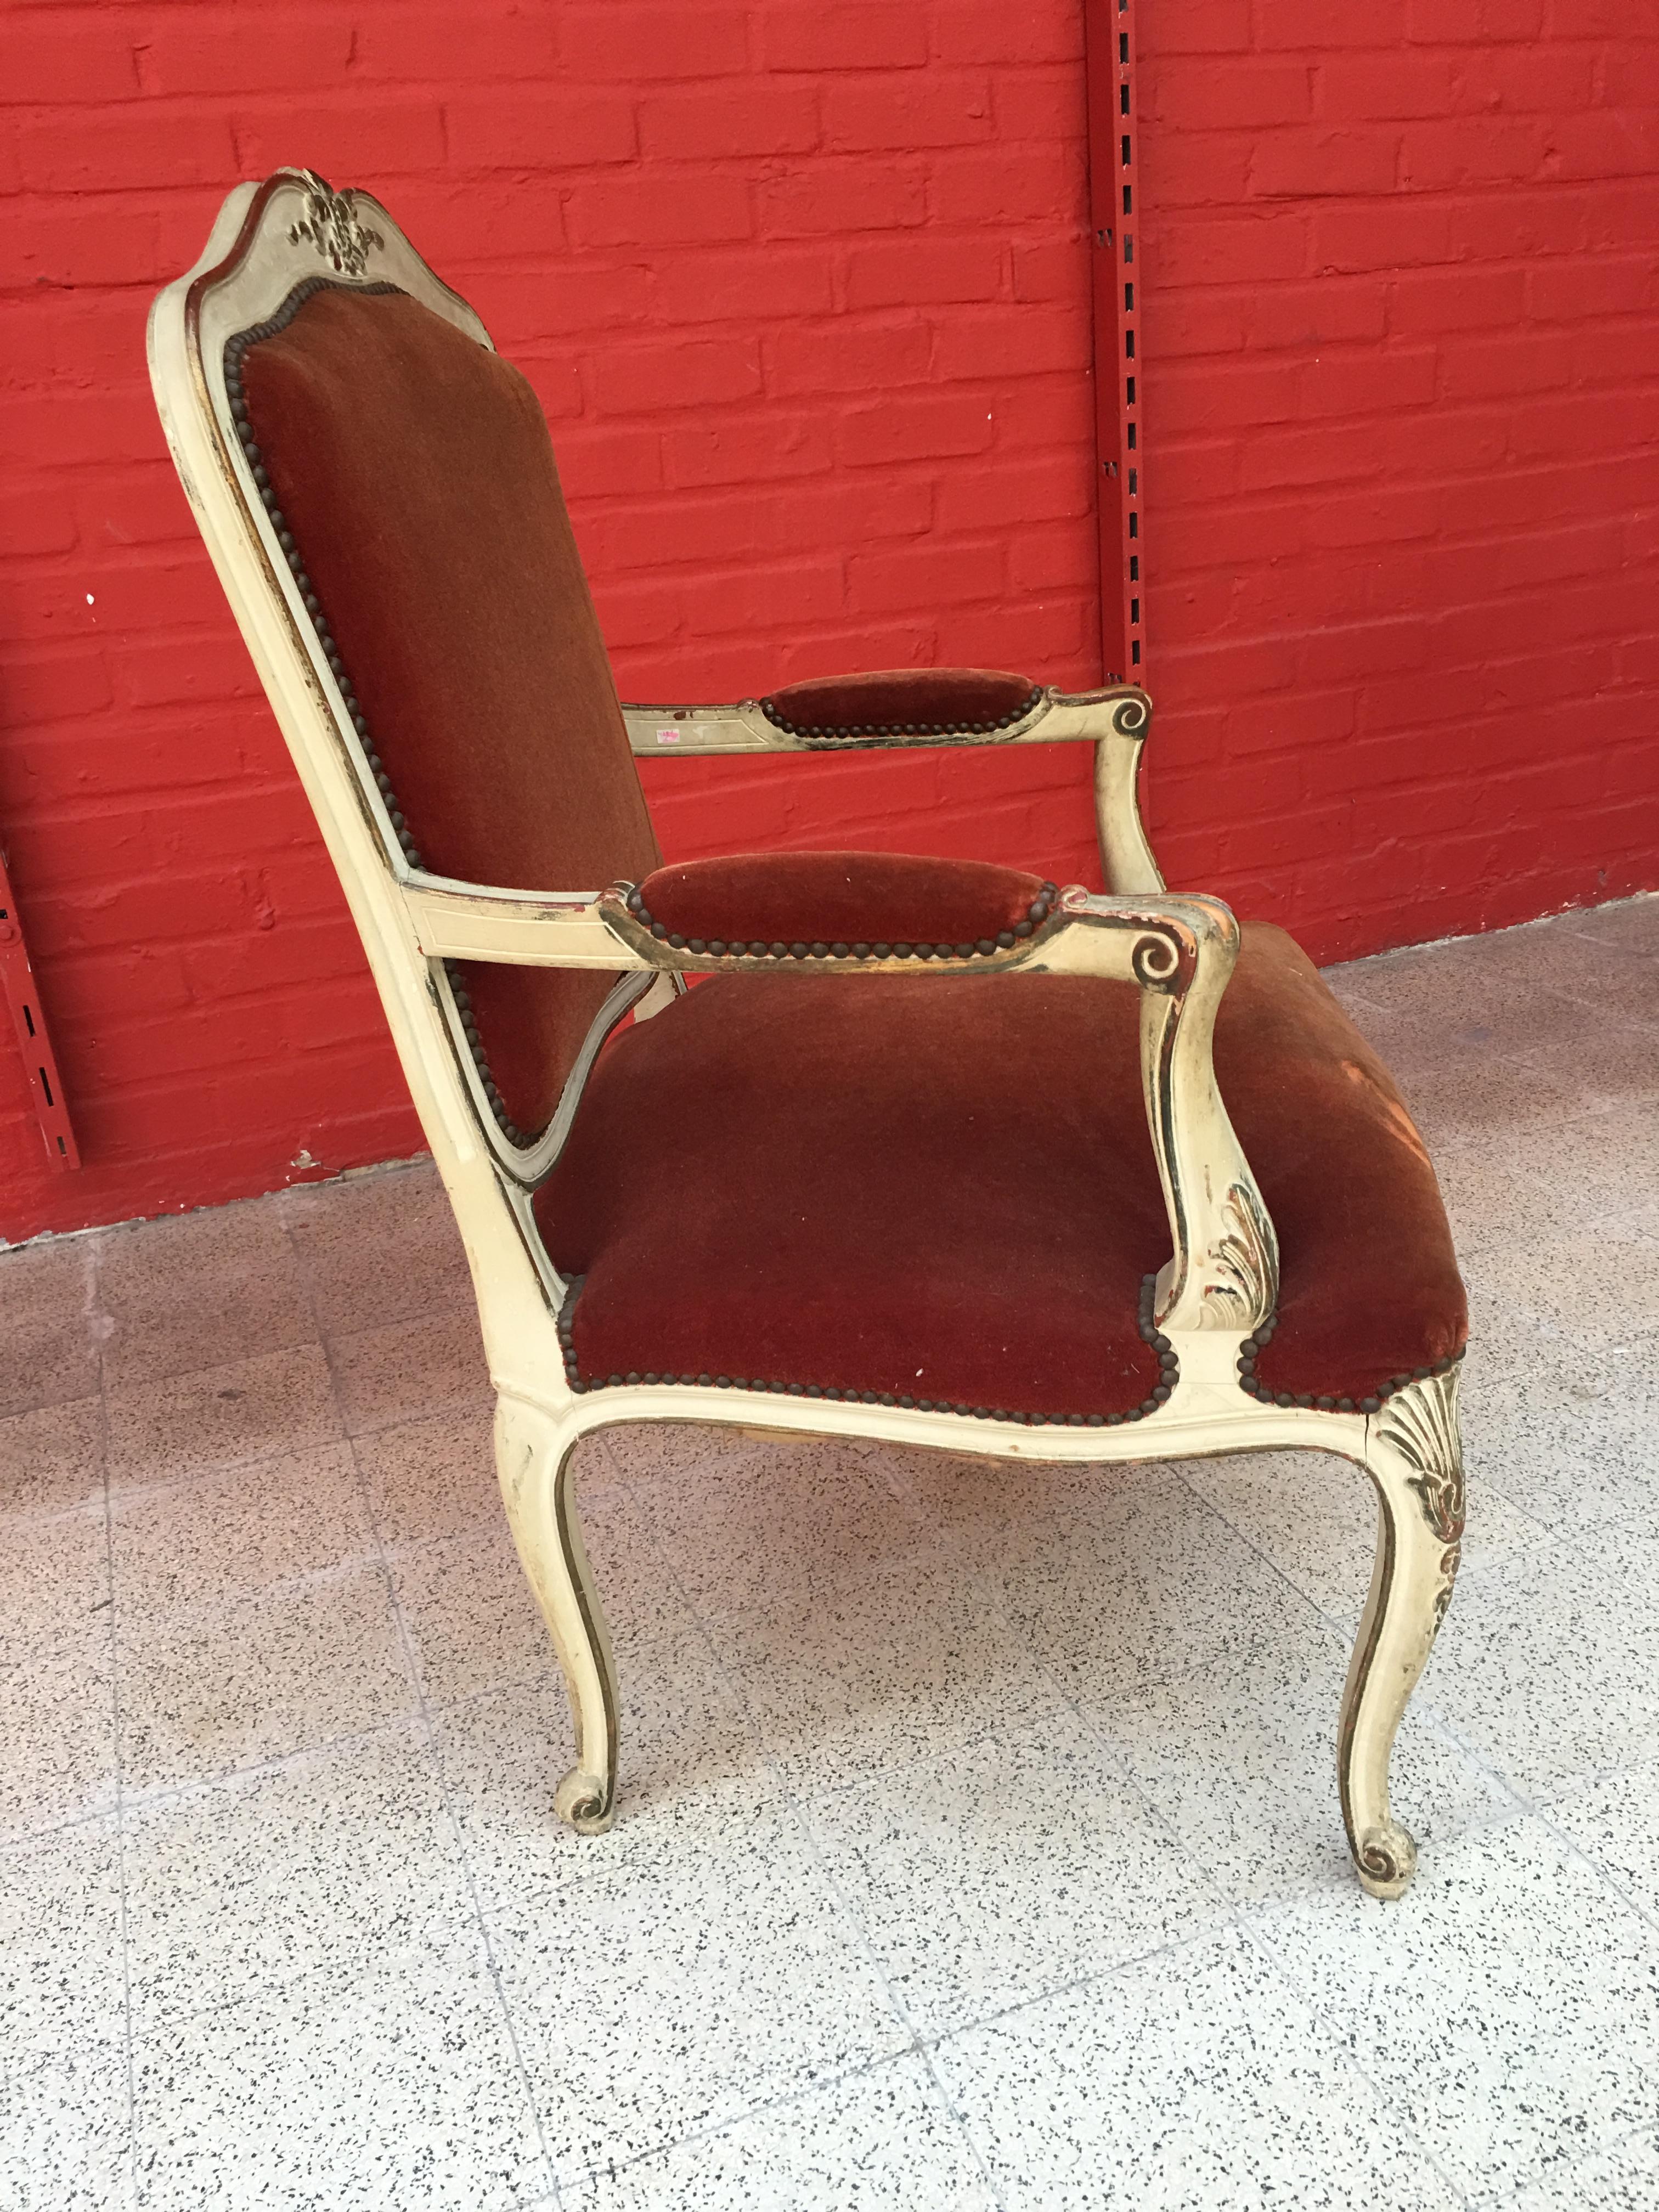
[(533, 1457), (1414, 1454)]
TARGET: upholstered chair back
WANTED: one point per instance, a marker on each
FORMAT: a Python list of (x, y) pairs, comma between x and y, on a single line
[(411, 467)]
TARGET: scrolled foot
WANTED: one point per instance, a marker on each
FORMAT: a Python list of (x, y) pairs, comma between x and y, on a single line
[(1385, 1860), (583, 1804)]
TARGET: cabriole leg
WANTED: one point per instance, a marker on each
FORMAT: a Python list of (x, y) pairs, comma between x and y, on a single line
[(1414, 1454), (533, 1457)]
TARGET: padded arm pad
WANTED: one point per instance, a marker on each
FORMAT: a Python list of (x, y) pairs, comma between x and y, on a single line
[(842, 905), (893, 703)]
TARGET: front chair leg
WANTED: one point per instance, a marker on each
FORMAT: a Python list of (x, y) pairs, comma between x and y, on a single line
[(533, 1452), (1414, 1456)]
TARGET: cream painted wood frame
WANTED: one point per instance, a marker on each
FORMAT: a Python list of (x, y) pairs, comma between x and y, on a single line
[(1219, 1284)]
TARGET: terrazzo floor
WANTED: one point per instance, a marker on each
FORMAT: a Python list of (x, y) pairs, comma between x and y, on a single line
[(978, 1842)]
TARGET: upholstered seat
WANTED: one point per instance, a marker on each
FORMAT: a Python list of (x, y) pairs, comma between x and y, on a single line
[(853, 1144), (951, 1195)]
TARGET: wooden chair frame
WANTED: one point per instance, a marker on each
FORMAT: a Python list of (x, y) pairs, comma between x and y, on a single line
[(1218, 1286)]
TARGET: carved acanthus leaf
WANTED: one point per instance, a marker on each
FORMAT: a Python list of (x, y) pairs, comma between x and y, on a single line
[(1419, 1422), (331, 224), (1242, 1277)]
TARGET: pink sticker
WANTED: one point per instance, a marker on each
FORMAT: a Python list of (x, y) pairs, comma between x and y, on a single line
[(668, 737)]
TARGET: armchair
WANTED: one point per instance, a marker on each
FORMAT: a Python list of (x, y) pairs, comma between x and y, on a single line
[(935, 1152)]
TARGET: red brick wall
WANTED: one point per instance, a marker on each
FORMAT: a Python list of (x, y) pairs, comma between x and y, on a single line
[(1401, 327), (804, 288)]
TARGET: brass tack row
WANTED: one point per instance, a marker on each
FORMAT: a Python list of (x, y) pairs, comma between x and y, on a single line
[(1168, 1369), (720, 948), (851, 732), (1373, 1404)]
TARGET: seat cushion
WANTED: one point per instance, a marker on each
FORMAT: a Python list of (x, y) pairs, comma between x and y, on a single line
[(947, 1192)]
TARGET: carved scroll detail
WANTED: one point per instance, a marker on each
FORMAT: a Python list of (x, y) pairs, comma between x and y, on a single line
[(331, 224), (1155, 959), (1245, 1261)]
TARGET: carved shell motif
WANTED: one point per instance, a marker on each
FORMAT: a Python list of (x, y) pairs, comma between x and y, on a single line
[(1242, 1285), (332, 226), (1420, 1423)]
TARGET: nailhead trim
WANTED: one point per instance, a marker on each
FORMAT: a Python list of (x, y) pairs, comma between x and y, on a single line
[(718, 948), (1169, 1365), (236, 350), (1247, 1381), (855, 733)]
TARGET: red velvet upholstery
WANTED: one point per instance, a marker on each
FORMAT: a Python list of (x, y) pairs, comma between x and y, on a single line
[(904, 699), (412, 466), (949, 1191), (840, 899)]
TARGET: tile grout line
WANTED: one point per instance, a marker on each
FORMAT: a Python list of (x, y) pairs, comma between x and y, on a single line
[(430, 1731)]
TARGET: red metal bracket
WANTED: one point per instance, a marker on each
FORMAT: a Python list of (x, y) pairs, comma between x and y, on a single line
[(1113, 214), (45, 1084)]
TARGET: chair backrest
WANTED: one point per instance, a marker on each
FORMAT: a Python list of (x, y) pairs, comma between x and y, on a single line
[(406, 473)]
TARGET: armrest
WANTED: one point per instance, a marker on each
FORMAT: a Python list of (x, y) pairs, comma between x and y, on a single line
[(907, 707), (1223, 1278), (892, 708), (841, 905)]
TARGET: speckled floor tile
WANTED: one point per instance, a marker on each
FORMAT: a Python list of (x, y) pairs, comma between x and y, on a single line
[(729, 1979), (45, 1299), (1512, 2007), (1614, 1821), (1631, 923), (60, 1942), (65, 2128), (57, 1759), (674, 1449), (1184, 2083), (198, 1290), (1122, 1585), (436, 1476), (872, 1677), (989, 1876), (1314, 1518), (390, 1376), (1569, 1432), (1548, 1668), (882, 2141), (202, 1694), (52, 1574), (794, 1515), (378, 1249), (906, 1738), (52, 1460), (234, 1890), (473, 1622), (690, 1764), (1480, 1098), (377, 2082), (1622, 2180), (190, 1546), (1241, 1763), (251, 1409)]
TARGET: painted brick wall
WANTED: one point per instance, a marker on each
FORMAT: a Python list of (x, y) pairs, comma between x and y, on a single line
[(804, 289), (1401, 327)]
